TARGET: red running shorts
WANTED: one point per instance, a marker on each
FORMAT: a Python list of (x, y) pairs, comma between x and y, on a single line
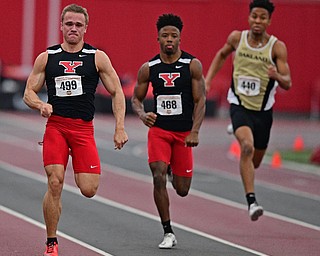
[(64, 134), (169, 147)]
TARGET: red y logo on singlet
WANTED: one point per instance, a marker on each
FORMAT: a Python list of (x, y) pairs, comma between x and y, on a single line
[(70, 66), (169, 78)]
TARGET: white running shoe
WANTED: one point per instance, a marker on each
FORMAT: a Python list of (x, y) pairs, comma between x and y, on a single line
[(255, 211), (230, 129), (168, 242)]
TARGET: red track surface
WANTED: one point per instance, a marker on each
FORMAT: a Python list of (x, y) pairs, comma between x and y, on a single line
[(269, 235)]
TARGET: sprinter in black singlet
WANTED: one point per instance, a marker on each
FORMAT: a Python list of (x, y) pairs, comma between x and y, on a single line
[(179, 108), (259, 65), (71, 72)]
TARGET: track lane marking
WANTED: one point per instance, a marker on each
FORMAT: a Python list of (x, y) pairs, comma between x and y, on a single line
[(59, 233), (141, 177), (72, 189), (102, 144)]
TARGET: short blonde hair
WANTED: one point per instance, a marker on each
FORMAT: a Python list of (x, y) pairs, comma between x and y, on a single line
[(77, 9)]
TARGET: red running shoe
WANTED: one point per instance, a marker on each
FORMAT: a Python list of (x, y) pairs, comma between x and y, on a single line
[(51, 249)]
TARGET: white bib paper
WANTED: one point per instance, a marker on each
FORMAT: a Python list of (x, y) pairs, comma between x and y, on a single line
[(168, 105), (249, 86), (68, 86)]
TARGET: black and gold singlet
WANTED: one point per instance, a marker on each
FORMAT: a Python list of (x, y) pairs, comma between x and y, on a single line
[(251, 87)]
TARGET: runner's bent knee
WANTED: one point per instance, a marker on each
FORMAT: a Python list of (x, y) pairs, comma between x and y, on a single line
[(89, 191), (247, 148)]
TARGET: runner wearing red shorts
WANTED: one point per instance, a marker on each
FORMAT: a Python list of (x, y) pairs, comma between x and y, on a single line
[(179, 108), (71, 72), (62, 137)]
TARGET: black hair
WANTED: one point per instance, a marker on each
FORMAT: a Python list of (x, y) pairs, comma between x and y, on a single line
[(265, 4), (169, 20)]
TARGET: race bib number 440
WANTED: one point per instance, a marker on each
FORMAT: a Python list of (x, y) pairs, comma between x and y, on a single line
[(168, 105), (249, 86), (68, 86)]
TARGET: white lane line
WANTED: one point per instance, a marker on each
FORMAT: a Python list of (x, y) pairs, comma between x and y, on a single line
[(74, 190), (18, 142), (136, 151), (61, 234), (13, 140), (261, 183), (140, 177), (107, 123)]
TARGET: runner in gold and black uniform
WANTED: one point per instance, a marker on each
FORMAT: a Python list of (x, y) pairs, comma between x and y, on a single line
[(259, 66), (252, 91)]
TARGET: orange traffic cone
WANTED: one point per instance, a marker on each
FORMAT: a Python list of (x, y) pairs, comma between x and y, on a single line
[(234, 149), (276, 160), (298, 144)]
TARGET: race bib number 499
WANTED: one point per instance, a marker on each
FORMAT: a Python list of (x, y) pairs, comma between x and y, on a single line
[(168, 105), (68, 86)]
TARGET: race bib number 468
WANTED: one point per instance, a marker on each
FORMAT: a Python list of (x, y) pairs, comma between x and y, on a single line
[(68, 86), (168, 105)]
